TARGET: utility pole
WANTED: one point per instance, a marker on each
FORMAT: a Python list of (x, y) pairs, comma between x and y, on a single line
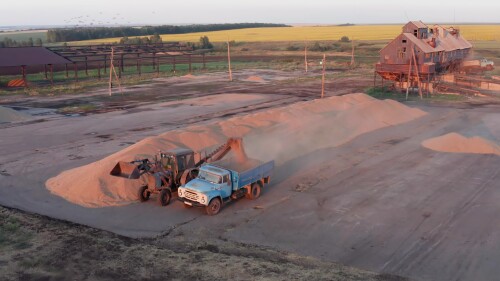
[(229, 61), (323, 77), (112, 71), (352, 54), (305, 56)]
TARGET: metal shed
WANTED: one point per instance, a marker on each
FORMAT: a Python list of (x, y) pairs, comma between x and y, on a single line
[(30, 56)]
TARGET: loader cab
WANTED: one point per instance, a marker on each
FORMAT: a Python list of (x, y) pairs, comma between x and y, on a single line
[(178, 159)]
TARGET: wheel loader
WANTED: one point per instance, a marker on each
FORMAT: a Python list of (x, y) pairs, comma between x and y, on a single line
[(172, 168)]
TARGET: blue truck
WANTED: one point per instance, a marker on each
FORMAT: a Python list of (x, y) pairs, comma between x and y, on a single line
[(220, 182)]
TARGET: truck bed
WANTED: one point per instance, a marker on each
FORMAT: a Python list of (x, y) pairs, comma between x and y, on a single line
[(247, 172)]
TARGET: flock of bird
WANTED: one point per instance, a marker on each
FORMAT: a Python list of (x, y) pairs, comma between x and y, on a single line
[(88, 20)]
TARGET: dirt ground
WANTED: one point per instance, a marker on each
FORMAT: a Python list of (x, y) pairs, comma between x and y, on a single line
[(34, 247), (381, 202)]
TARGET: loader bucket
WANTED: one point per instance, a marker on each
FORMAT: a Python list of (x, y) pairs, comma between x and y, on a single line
[(126, 170)]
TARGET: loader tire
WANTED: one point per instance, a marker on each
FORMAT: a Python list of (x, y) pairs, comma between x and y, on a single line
[(144, 193), (254, 192), (165, 196), (213, 207)]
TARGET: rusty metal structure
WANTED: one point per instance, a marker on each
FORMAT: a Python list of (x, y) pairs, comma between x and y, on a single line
[(73, 59), (419, 54)]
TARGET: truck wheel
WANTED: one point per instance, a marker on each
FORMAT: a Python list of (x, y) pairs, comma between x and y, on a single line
[(213, 207), (144, 193), (165, 196), (254, 191)]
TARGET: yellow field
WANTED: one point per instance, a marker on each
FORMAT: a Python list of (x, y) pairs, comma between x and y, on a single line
[(314, 33)]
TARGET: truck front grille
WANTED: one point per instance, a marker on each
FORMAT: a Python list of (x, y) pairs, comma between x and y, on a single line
[(191, 195)]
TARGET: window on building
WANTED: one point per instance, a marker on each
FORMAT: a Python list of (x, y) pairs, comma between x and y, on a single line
[(404, 41), (415, 32)]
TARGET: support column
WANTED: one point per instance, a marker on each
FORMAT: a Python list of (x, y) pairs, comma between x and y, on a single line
[(23, 72), (51, 74)]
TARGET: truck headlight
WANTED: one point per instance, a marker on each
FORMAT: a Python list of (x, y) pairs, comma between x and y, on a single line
[(180, 192), (203, 199)]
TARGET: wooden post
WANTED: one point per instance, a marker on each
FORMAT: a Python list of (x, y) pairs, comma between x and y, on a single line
[(86, 67), (119, 70), (122, 65), (158, 67), (137, 62), (417, 70), (105, 59), (99, 70), (111, 71), (352, 54), (45, 70), (51, 74), (173, 67), (190, 68), (154, 58), (229, 61), (305, 57), (75, 68), (408, 83), (323, 77), (204, 63), (23, 72), (139, 66)]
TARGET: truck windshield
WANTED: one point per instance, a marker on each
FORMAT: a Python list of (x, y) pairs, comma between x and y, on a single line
[(213, 178)]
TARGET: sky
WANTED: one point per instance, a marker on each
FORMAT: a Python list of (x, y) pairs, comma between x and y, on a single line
[(109, 12)]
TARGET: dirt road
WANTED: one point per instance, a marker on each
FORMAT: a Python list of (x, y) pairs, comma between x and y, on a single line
[(380, 202)]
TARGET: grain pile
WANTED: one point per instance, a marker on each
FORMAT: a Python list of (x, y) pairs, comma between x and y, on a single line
[(10, 115), (255, 79), (281, 134), (457, 143)]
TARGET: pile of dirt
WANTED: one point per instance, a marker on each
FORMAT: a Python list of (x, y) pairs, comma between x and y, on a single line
[(255, 79), (10, 115), (457, 143), (188, 76), (281, 134)]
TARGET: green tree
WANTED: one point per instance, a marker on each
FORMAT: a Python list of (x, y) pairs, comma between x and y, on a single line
[(38, 42), (205, 43), (345, 39)]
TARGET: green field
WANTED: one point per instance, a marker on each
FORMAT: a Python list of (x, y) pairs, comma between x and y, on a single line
[(24, 35)]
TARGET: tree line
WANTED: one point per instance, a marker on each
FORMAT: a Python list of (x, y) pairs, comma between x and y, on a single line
[(89, 33), (7, 42), (204, 41)]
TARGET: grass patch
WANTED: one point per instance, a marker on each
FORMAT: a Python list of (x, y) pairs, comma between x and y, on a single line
[(12, 235), (383, 93), (79, 108), (387, 93)]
